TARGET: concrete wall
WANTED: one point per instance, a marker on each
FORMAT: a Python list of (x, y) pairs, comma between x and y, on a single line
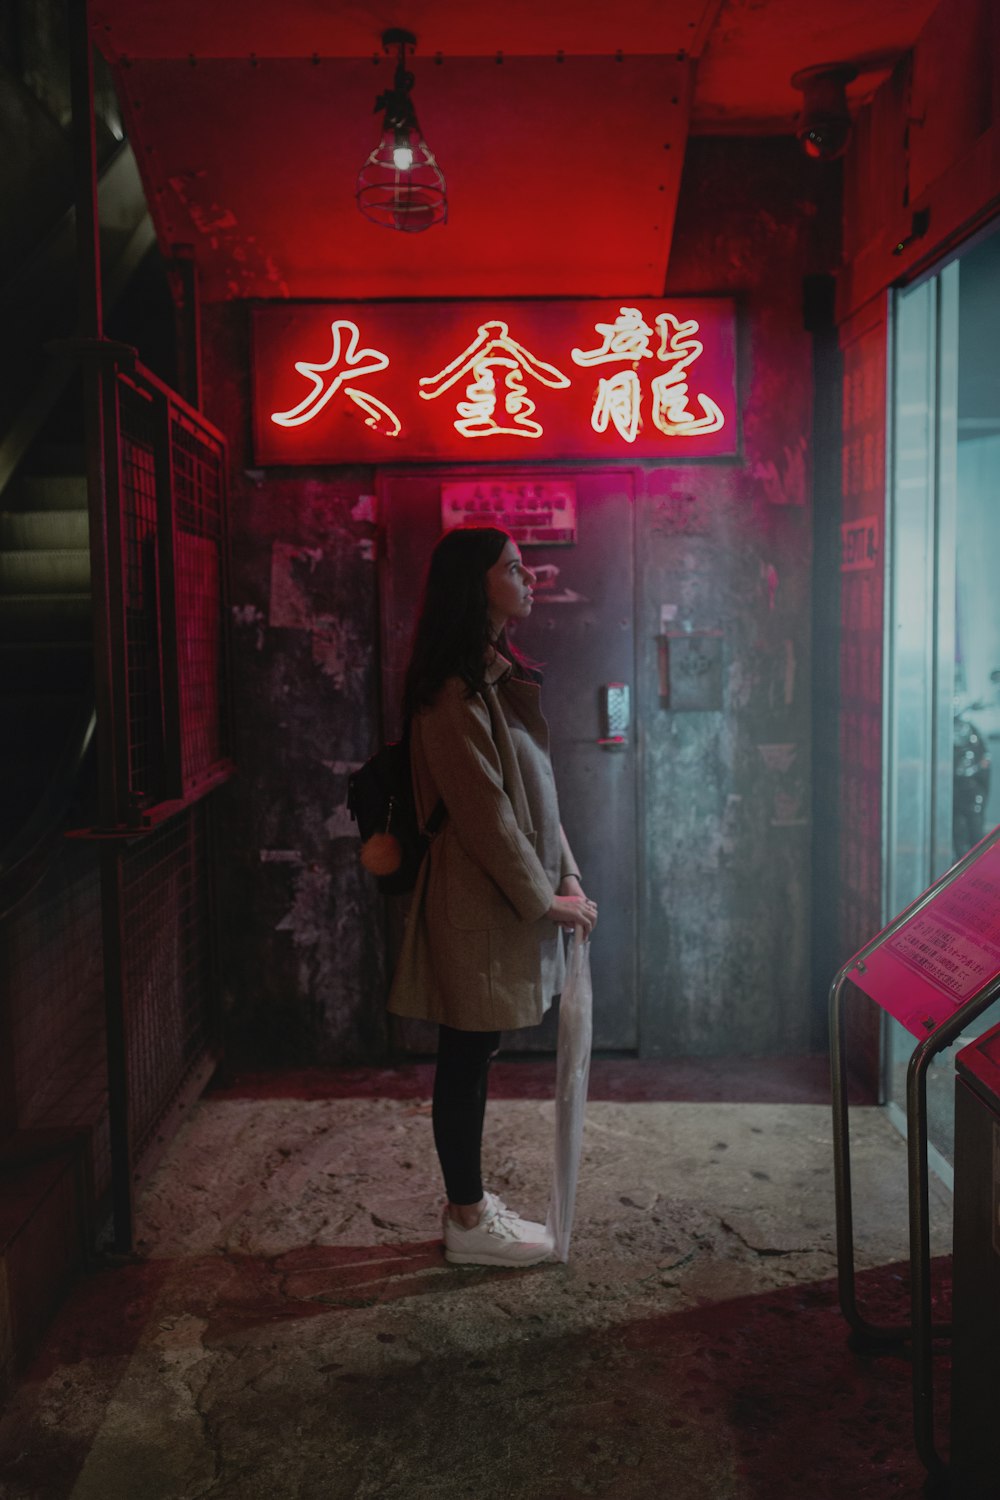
[(726, 791), (304, 958)]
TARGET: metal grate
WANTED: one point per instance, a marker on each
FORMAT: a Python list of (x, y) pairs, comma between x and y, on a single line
[(141, 591), (52, 980), (168, 653), (199, 646), (197, 463), (167, 965)]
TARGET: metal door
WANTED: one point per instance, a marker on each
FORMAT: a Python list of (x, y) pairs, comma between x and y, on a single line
[(582, 633)]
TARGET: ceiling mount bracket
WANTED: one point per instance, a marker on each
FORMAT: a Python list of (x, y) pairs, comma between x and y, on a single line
[(397, 37)]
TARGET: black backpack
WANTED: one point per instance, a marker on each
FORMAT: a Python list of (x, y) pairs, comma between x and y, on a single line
[(380, 800)]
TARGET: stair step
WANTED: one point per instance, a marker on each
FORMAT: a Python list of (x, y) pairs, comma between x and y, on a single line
[(24, 782), (45, 571), (58, 530), (46, 667), (45, 617), (53, 491), (45, 708), (58, 458), (30, 719), (30, 747)]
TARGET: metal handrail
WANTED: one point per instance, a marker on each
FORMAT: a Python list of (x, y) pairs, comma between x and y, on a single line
[(921, 1330)]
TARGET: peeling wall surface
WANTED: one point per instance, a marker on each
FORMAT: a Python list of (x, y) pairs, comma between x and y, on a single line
[(722, 604), (724, 557), (303, 941)]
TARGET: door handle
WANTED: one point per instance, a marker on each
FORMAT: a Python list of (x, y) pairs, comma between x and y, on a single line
[(615, 716)]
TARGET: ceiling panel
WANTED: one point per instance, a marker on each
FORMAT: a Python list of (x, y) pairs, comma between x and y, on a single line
[(744, 76), (235, 28), (549, 193), (560, 128)]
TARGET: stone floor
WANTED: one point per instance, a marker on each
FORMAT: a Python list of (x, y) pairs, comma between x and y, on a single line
[(290, 1329)]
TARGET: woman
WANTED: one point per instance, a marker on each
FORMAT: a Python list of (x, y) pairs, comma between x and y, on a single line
[(482, 952)]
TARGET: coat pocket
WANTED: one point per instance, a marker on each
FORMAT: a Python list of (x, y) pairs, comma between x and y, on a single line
[(473, 900)]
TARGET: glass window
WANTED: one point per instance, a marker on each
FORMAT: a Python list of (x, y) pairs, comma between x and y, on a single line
[(943, 648), (976, 806)]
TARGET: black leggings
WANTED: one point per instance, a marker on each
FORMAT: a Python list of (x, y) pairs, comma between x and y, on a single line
[(463, 1063)]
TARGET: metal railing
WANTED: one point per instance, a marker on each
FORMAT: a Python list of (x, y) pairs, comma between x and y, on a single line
[(918, 1335), (160, 601), (158, 556), (109, 983), (158, 545)]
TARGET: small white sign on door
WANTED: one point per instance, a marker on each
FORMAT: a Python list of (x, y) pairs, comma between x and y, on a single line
[(536, 512)]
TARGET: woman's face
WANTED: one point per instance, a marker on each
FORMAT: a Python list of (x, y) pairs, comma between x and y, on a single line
[(508, 587)]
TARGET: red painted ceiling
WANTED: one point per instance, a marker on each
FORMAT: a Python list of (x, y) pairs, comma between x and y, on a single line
[(560, 129)]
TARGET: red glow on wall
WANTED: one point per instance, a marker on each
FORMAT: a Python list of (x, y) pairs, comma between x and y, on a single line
[(387, 382)]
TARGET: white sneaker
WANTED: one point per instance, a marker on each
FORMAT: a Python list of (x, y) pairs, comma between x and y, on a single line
[(499, 1239)]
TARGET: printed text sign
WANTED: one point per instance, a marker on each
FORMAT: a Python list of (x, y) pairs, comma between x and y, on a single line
[(859, 545), (946, 952), (478, 381), (536, 512)]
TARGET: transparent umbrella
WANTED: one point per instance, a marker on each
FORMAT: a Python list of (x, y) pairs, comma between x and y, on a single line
[(576, 1031)]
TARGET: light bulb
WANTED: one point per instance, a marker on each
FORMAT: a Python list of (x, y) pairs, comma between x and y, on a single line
[(402, 158)]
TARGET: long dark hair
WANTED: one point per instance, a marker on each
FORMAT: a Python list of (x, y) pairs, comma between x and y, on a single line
[(452, 637)]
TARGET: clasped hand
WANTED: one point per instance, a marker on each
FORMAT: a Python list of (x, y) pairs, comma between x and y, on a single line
[(572, 908)]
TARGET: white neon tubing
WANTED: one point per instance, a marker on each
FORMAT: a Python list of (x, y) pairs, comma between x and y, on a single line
[(354, 358)]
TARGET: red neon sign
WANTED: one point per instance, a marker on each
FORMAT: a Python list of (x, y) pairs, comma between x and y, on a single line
[(387, 382)]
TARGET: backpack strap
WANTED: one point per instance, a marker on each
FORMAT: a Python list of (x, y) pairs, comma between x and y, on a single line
[(440, 812)]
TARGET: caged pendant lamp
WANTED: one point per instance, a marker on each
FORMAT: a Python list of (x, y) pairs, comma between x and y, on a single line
[(401, 185)]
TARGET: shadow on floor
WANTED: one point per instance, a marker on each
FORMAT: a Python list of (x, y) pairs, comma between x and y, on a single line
[(293, 1389)]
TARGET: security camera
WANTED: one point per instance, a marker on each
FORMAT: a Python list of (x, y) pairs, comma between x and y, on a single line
[(824, 126)]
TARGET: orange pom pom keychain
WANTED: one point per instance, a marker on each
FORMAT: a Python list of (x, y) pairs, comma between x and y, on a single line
[(380, 800), (382, 854)]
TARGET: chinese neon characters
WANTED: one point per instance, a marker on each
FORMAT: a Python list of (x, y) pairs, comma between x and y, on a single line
[(494, 353), (491, 376), (619, 396), (328, 378)]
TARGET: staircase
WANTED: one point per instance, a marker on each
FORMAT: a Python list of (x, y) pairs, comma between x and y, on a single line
[(46, 675), (46, 715), (54, 1166)]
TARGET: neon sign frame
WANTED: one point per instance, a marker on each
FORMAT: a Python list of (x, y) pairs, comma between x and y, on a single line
[(610, 379)]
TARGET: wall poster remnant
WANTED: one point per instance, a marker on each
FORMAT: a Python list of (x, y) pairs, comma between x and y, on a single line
[(786, 786), (690, 665)]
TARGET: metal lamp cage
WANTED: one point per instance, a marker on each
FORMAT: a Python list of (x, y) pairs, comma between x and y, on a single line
[(408, 197)]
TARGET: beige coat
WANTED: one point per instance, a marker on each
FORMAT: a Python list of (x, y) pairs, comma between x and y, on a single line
[(478, 951)]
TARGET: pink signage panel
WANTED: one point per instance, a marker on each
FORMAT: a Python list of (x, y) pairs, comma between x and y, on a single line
[(941, 956), (480, 381)]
